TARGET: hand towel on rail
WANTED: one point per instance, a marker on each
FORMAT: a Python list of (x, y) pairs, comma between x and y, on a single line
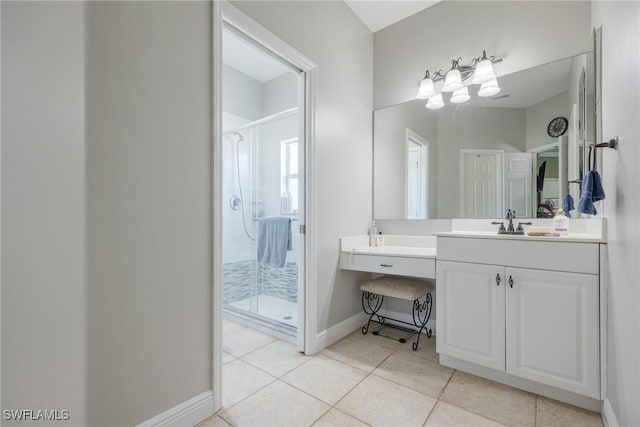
[(274, 240)]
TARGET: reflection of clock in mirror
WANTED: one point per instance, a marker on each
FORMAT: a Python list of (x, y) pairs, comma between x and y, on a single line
[(557, 127)]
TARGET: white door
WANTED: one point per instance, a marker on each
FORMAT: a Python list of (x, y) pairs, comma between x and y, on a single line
[(518, 171), (417, 176), (481, 184), (470, 300), (553, 329)]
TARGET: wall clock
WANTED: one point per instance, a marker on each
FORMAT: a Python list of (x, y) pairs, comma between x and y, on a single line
[(557, 127)]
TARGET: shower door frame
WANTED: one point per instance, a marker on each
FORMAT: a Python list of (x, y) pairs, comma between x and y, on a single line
[(226, 14)]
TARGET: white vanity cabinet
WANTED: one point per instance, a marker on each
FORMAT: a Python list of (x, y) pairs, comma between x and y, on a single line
[(540, 324)]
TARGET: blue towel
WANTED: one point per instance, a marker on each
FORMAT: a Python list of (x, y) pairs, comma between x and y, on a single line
[(592, 192), (274, 240), (567, 205)]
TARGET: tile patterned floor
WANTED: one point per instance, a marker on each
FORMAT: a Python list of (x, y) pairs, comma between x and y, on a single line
[(364, 380)]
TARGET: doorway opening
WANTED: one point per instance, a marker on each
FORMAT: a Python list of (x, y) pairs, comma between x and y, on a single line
[(263, 184)]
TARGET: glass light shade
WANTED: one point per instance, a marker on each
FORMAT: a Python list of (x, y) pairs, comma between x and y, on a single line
[(435, 102), (427, 90), (489, 88), (461, 95), (452, 81), (484, 72)]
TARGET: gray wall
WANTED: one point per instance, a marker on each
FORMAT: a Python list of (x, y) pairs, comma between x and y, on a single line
[(472, 128), (524, 33), (342, 47), (539, 115), (389, 178), (620, 23), (240, 93), (148, 129), (43, 199)]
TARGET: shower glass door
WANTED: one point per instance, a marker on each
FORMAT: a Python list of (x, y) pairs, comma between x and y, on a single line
[(261, 184)]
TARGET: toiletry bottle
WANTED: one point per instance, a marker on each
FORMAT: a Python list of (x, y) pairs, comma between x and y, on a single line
[(561, 223), (380, 239), (373, 232)]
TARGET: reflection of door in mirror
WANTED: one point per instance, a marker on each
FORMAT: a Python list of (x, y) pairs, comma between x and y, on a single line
[(481, 183), (417, 184)]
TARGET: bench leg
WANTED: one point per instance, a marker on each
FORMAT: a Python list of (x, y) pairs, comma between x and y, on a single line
[(421, 315), (371, 304)]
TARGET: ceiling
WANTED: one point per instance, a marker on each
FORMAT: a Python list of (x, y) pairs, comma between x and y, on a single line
[(243, 56), (378, 14)]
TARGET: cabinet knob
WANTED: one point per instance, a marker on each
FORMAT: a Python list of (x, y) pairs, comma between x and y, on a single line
[(497, 280), (511, 281), (386, 265)]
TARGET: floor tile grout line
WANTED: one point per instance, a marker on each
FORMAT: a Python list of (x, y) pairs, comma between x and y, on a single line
[(251, 394), (433, 408), (280, 376), (412, 389)]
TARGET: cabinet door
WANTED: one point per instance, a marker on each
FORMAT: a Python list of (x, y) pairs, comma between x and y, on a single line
[(470, 312), (553, 329)]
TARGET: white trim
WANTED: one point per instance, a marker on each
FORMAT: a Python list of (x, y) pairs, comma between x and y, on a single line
[(499, 177), (543, 148), (216, 207), (1, 219), (224, 12), (337, 332), (187, 413), (604, 309), (609, 418), (353, 323)]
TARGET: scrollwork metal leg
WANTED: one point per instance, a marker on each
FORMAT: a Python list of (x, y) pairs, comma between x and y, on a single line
[(371, 304), (421, 315)]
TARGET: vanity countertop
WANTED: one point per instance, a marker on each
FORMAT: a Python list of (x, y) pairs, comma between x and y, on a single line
[(399, 251), (395, 246), (575, 238)]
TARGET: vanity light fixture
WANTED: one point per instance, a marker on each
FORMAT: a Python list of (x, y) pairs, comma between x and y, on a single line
[(460, 96), (457, 80), (427, 88), (435, 102), (453, 80), (484, 70), (489, 88)]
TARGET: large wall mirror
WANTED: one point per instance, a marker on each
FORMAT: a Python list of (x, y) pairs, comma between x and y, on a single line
[(478, 159)]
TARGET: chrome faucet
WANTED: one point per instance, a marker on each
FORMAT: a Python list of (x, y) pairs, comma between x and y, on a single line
[(510, 216), (509, 229)]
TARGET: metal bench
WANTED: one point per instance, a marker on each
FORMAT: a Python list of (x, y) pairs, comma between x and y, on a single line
[(374, 291)]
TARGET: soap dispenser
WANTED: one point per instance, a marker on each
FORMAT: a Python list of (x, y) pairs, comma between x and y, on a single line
[(561, 223), (373, 233)]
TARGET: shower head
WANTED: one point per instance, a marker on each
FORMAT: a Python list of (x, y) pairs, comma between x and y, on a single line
[(239, 135)]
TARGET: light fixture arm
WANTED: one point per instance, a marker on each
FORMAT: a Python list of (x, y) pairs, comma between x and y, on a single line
[(465, 70)]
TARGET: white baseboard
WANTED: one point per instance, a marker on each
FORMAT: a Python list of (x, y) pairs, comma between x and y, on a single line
[(407, 317), (608, 416), (186, 414), (347, 326), (337, 332)]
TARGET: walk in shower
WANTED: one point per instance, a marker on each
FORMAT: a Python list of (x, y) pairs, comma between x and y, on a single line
[(260, 183)]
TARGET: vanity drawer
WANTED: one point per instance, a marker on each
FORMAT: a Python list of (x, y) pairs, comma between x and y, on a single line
[(401, 266)]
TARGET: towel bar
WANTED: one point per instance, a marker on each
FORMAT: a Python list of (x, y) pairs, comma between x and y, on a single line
[(612, 143)]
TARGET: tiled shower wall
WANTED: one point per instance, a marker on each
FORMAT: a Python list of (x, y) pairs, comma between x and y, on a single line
[(244, 279)]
